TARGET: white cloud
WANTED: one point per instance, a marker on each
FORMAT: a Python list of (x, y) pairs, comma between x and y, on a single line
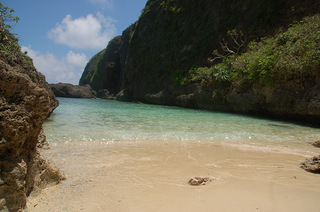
[(90, 32), (68, 69), (76, 59)]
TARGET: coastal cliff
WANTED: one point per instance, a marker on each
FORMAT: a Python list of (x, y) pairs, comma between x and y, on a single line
[(37, 78), (25, 102), (24, 106), (163, 58)]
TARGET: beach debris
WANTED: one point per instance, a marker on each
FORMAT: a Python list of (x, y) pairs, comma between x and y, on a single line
[(200, 180), (316, 144), (312, 164)]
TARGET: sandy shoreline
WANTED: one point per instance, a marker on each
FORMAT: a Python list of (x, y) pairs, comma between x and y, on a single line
[(153, 177)]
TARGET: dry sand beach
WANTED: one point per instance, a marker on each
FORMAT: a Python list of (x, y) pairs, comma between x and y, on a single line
[(154, 175)]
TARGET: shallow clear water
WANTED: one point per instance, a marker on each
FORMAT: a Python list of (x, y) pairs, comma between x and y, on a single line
[(120, 156), (91, 120)]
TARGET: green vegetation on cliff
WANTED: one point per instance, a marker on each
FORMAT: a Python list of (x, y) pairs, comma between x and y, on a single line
[(10, 51), (262, 63), (291, 55), (103, 70), (172, 36), (91, 68)]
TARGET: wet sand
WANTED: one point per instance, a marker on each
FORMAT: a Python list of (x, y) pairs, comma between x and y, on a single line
[(153, 176)]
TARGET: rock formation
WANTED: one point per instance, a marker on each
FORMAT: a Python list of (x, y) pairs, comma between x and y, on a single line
[(104, 68), (24, 105), (37, 78), (200, 180), (316, 144), (150, 60), (312, 164), (72, 91)]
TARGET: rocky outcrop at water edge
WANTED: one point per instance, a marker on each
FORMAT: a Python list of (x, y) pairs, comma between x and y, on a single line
[(24, 106), (151, 61), (72, 91)]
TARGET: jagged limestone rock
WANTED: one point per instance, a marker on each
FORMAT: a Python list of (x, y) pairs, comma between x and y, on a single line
[(23, 108)]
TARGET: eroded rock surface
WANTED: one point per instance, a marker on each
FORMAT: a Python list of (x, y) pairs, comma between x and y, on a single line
[(24, 106), (316, 144), (200, 180), (72, 91), (152, 60), (312, 164), (37, 78)]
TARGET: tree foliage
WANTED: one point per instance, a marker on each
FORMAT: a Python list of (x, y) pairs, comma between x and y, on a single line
[(6, 18), (293, 55), (9, 47)]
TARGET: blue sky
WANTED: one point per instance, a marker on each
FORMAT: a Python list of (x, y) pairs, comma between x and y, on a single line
[(62, 35)]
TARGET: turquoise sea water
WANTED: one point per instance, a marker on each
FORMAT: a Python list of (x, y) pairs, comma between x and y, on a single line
[(96, 120)]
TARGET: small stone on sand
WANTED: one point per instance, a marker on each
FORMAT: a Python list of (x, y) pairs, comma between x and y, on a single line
[(316, 144), (200, 180), (312, 164)]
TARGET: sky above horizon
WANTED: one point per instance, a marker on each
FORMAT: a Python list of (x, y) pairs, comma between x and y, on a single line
[(61, 36)]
